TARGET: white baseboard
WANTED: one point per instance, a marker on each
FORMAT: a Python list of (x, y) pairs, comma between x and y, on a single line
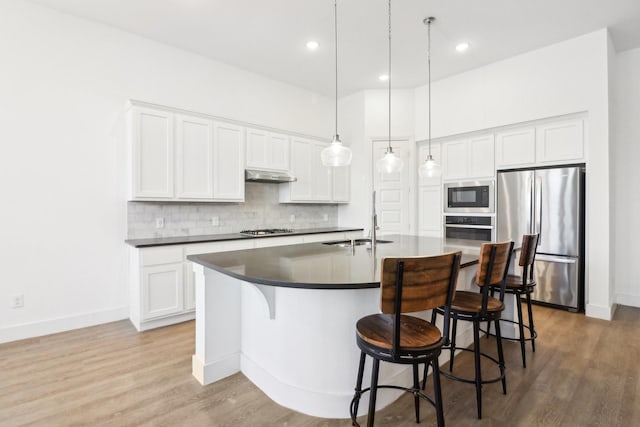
[(600, 311), (207, 373), (62, 324), (628, 300)]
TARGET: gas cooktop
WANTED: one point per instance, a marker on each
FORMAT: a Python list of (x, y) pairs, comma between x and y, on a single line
[(266, 231)]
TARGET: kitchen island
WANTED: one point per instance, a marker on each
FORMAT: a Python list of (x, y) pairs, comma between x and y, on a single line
[(285, 317)]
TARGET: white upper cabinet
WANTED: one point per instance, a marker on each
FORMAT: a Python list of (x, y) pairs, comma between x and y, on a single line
[(300, 167), (550, 143), (183, 157), (320, 175), (228, 157), (152, 145), (194, 157), (516, 148), (469, 158), (267, 150), (315, 183), (560, 141), (481, 156), (455, 159)]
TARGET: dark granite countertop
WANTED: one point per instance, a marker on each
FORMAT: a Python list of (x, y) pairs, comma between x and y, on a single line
[(321, 266), (179, 240)]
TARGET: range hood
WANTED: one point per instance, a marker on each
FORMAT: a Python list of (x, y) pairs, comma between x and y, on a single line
[(255, 175)]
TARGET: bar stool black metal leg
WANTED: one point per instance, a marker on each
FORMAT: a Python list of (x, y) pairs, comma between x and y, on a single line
[(437, 393), (501, 356), (521, 329), (356, 397), (424, 376), (532, 330), (476, 355), (416, 387), (454, 330), (373, 392)]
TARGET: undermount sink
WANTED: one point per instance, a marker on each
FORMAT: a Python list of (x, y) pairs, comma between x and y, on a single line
[(355, 242)]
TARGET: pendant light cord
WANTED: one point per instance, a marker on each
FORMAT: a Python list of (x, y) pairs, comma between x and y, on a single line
[(390, 150), (429, 77), (335, 38)]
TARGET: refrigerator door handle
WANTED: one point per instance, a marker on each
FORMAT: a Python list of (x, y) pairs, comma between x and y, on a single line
[(532, 207), (551, 258), (537, 228)]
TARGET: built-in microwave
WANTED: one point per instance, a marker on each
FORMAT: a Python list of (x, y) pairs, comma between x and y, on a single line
[(469, 197)]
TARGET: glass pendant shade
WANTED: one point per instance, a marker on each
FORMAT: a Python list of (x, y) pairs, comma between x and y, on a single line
[(429, 168), (336, 154), (389, 163)]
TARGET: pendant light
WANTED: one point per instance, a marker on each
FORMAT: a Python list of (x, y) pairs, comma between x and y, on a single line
[(429, 168), (336, 154), (389, 163)]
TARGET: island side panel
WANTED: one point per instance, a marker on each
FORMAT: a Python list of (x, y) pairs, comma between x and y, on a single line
[(217, 325), (306, 357)]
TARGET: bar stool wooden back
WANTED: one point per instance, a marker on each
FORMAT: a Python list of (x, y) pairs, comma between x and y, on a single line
[(407, 285), (523, 285), (493, 265)]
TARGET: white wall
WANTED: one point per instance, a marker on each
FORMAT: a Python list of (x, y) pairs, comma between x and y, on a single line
[(63, 86), (564, 78), (625, 175)]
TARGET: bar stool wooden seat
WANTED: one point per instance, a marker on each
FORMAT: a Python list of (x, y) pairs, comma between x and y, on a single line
[(519, 286), (493, 265), (407, 285)]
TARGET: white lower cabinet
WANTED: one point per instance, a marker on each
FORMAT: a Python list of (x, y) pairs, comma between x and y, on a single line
[(162, 281), (163, 290)]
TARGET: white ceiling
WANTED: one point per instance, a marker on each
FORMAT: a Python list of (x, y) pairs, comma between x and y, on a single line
[(268, 36)]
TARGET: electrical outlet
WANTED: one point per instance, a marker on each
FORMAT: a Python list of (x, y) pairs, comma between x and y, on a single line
[(215, 221), (17, 301), (292, 218), (159, 222)]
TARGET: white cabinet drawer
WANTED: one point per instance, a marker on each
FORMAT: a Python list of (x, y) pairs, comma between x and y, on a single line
[(161, 255)]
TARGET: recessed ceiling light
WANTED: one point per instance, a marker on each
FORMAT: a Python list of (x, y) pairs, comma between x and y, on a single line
[(312, 45), (383, 77), (461, 47)]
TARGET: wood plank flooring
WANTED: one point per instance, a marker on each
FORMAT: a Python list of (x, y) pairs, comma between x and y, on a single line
[(585, 372)]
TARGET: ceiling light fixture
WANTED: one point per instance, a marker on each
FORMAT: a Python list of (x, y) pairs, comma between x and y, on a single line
[(429, 168), (312, 45), (336, 154), (461, 47), (389, 163)]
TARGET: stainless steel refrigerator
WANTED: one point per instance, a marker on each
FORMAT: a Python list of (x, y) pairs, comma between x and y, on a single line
[(548, 201)]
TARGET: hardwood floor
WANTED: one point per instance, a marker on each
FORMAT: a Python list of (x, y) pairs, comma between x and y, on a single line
[(585, 372)]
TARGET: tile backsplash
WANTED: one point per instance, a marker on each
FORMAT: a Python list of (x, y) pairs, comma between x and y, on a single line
[(260, 209)]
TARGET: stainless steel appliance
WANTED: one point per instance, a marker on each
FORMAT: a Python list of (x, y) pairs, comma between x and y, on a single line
[(469, 227), (548, 201), (267, 231), (255, 175), (469, 197)]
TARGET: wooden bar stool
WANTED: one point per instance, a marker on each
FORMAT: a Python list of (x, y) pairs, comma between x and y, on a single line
[(493, 265), (407, 285), (523, 285)]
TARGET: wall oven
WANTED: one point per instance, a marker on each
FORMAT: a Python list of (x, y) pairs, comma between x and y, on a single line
[(469, 197), (480, 228)]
